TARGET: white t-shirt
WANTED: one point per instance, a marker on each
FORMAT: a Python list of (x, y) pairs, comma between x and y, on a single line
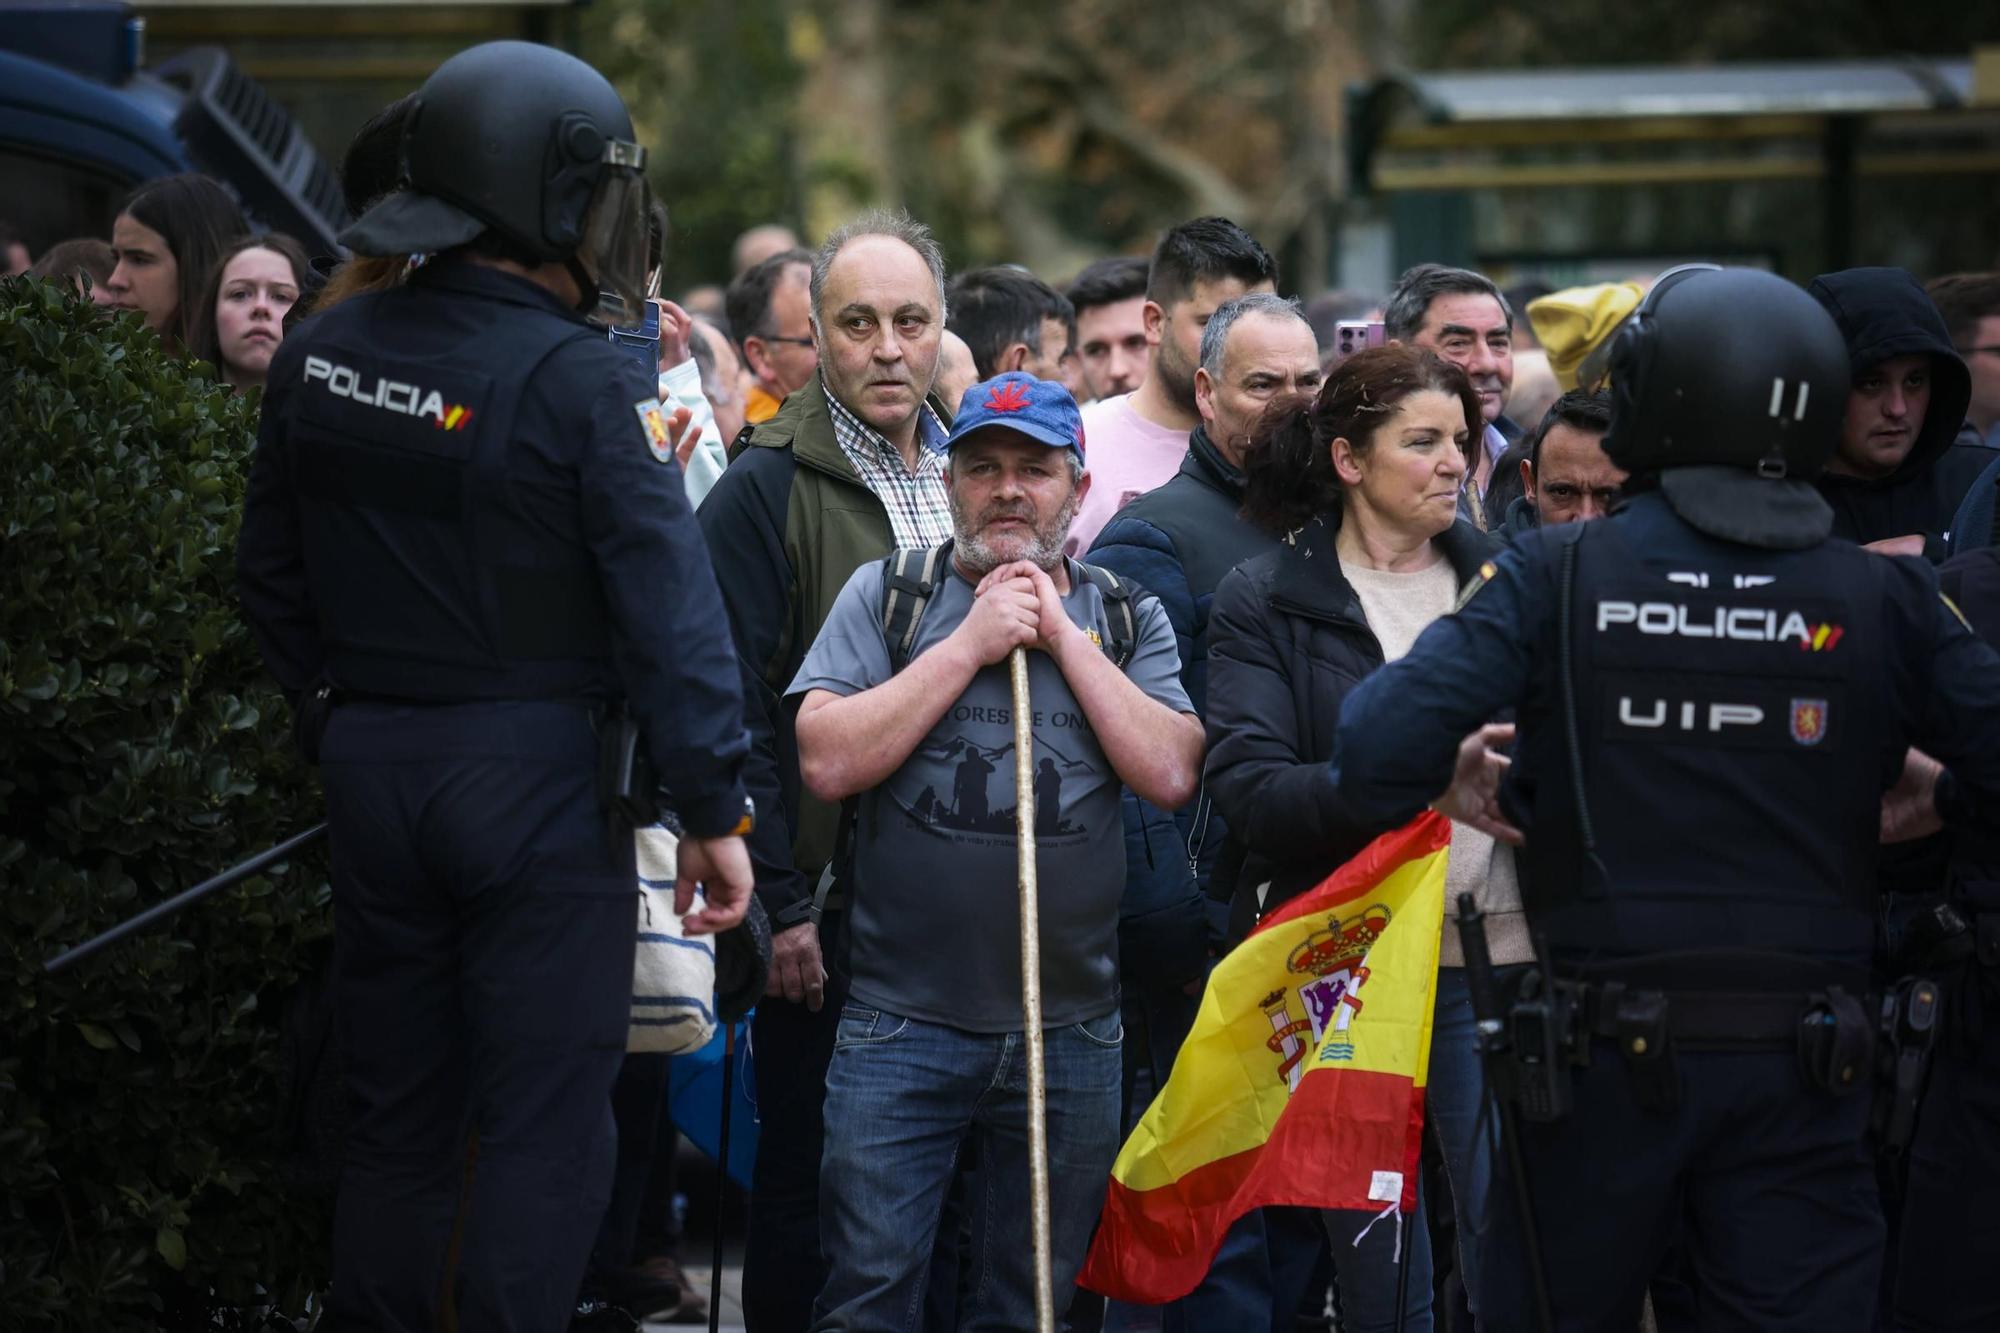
[(1399, 607)]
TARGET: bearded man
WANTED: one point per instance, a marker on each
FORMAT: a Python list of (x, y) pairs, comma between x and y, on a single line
[(930, 1055)]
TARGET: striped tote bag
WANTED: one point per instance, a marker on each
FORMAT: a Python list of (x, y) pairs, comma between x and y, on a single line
[(673, 977)]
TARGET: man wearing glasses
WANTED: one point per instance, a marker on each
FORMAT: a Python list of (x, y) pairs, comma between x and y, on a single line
[(770, 314), (1970, 304)]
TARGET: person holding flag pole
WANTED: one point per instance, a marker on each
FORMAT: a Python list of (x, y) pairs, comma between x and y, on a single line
[(905, 714)]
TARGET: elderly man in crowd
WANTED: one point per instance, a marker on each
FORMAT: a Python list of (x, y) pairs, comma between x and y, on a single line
[(913, 720), (1462, 317), (845, 472)]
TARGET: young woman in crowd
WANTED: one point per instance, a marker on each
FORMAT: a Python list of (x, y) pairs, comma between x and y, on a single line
[(252, 291), (166, 239), (1362, 481)]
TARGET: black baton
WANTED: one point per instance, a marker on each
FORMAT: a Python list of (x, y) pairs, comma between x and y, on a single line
[(1492, 1056), (161, 911)]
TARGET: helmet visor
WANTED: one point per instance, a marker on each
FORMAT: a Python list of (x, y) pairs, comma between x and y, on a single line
[(615, 249)]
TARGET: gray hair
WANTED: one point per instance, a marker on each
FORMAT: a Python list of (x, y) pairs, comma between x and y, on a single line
[(1215, 336), (878, 222), (1403, 317)]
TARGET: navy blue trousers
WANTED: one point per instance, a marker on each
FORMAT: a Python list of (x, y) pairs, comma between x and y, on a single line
[(484, 934), (1772, 1182)]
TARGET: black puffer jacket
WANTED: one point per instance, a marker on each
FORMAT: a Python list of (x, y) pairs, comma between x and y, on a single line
[(1883, 312), (1287, 641)]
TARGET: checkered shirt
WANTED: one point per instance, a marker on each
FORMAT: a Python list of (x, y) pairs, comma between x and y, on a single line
[(918, 502)]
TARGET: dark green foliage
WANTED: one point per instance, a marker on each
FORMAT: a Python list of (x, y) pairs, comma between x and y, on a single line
[(142, 749)]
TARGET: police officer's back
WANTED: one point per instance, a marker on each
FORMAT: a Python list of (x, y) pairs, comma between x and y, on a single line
[(1712, 699), (467, 551)]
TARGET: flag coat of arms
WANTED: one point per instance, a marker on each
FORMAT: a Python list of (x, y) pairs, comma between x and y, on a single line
[(1302, 1080)]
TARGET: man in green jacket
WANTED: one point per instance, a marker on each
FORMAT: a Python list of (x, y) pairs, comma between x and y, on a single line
[(847, 470)]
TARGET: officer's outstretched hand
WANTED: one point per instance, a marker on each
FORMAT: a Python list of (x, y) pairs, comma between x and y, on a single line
[(1909, 809), (722, 867), (1473, 798)]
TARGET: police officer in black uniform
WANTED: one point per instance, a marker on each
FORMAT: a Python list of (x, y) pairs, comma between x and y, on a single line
[(467, 552), (1713, 698)]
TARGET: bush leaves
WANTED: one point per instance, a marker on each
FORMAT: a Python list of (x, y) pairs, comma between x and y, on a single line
[(142, 749)]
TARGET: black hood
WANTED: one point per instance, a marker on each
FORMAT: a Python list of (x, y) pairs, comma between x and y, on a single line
[(1884, 312)]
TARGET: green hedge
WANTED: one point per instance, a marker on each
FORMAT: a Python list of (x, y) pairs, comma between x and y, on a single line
[(142, 749)]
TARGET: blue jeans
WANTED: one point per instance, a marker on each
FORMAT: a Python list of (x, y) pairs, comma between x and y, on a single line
[(902, 1098), (1364, 1268)]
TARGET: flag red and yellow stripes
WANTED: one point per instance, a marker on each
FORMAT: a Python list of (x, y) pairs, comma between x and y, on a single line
[(1302, 1081)]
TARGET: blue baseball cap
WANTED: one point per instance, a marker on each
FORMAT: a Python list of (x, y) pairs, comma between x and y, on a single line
[(1039, 409)]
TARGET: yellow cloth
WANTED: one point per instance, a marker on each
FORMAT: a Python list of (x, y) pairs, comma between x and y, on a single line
[(759, 406), (1573, 322)]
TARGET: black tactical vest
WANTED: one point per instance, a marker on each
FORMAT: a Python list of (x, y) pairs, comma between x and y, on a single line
[(1734, 736), (433, 573)]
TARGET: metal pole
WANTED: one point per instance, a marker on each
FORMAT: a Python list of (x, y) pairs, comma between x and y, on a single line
[(721, 1176), (1404, 1237), (1031, 989), (160, 911)]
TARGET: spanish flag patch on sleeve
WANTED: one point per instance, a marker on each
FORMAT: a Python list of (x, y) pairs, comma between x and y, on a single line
[(653, 421), (1479, 580)]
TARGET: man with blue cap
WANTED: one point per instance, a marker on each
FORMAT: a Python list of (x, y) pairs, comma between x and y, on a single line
[(907, 718)]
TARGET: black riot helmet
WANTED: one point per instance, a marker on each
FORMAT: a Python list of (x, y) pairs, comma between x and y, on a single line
[(530, 143), (1730, 384)]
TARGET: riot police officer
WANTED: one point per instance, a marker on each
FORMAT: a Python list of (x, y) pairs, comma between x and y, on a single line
[(466, 550), (1712, 699)]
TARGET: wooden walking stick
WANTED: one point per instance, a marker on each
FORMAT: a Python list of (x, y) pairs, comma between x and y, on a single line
[(1031, 988)]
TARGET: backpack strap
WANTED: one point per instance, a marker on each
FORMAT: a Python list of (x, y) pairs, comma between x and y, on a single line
[(1123, 621), (910, 575)]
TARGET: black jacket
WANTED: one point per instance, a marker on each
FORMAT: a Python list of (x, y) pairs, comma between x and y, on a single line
[(454, 499), (1883, 312), (1177, 542), (1287, 641), (1522, 519)]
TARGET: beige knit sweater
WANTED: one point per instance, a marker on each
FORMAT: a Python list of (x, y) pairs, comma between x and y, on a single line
[(1398, 607)]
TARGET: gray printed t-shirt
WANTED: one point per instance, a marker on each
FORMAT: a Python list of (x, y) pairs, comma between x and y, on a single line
[(935, 916)]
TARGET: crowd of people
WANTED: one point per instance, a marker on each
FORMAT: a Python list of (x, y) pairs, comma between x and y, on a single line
[(1166, 477)]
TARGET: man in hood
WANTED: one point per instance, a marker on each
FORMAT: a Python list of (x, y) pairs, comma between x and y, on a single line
[(1899, 473)]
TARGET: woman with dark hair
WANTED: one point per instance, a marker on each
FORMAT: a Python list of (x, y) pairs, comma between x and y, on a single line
[(166, 238), (251, 293), (1362, 483)]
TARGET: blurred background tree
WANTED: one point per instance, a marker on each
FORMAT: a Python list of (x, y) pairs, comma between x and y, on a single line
[(1049, 132), (1044, 133)]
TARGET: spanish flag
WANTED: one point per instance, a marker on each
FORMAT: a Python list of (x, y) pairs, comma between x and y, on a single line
[(1303, 1079)]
